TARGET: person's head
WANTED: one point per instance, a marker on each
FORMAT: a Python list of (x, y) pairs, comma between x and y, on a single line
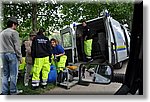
[(41, 31), (12, 23), (32, 35), (53, 42), (84, 23)]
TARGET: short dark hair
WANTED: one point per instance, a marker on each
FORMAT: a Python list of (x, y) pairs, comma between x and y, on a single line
[(83, 20), (41, 31), (12, 20), (10, 24)]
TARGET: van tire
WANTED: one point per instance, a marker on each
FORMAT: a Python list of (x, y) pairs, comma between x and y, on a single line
[(118, 78), (118, 65)]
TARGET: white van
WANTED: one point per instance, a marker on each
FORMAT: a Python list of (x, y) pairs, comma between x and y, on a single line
[(111, 41)]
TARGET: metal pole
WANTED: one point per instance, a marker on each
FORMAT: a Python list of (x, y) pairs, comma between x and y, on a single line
[(80, 71)]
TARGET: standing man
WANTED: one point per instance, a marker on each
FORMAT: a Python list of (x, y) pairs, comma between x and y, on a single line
[(10, 53), (87, 36), (41, 52), (28, 58)]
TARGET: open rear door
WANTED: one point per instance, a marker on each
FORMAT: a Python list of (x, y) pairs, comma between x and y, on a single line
[(67, 38), (120, 42)]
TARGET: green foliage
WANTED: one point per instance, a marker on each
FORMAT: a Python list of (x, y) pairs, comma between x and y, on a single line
[(77, 11), (121, 11), (55, 16)]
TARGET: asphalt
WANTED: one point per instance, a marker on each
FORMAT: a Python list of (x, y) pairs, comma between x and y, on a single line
[(92, 89)]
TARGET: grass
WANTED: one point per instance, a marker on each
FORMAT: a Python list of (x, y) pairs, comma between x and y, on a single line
[(27, 89)]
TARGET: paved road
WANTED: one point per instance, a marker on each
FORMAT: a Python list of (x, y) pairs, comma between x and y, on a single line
[(123, 69), (92, 88)]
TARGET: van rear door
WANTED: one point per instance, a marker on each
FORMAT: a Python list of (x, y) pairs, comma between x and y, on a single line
[(120, 42), (68, 43)]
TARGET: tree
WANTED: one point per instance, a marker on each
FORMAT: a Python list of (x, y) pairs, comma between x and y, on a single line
[(22, 12), (55, 16), (121, 11), (34, 17)]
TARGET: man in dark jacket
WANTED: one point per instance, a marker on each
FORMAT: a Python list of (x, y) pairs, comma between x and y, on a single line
[(40, 52), (87, 36)]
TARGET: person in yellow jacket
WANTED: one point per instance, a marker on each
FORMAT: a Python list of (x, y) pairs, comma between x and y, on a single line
[(40, 52), (59, 58)]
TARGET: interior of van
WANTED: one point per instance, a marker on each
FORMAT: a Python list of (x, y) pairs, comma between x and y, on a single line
[(99, 44)]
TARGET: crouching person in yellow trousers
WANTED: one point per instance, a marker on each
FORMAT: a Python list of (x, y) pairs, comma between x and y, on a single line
[(40, 52), (58, 59)]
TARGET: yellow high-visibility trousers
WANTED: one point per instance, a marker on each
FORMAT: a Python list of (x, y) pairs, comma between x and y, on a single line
[(23, 64), (40, 64), (88, 47), (61, 64)]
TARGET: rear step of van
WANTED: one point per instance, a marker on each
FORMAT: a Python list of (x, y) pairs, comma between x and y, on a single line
[(99, 59)]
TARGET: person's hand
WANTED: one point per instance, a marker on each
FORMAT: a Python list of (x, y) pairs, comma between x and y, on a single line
[(85, 38), (55, 59), (56, 55)]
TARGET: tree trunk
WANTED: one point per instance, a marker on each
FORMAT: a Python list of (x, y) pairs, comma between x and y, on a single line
[(34, 16)]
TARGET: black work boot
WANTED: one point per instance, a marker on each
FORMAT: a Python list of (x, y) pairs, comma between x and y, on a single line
[(34, 87), (43, 86)]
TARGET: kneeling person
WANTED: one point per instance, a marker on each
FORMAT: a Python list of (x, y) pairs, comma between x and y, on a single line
[(59, 58)]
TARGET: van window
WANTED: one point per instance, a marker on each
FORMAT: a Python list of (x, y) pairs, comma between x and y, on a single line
[(56, 36), (118, 31), (67, 41)]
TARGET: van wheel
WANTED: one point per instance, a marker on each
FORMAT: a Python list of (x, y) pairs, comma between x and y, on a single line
[(118, 65), (118, 78)]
